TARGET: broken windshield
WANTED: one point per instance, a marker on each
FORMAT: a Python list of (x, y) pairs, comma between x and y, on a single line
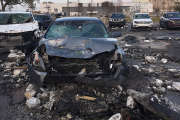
[(141, 16), (89, 29), (15, 18)]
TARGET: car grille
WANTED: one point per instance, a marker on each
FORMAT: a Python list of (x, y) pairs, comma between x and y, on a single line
[(142, 22), (74, 66), (116, 20)]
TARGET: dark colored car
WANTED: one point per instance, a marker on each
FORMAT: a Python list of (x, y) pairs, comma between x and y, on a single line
[(43, 20), (117, 20), (59, 15), (18, 30), (77, 49), (170, 20)]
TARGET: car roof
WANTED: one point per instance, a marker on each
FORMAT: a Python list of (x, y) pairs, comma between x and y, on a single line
[(41, 14), (15, 12), (117, 13), (77, 18), (141, 13), (171, 12)]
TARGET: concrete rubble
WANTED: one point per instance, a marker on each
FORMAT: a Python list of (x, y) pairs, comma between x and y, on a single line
[(176, 86), (130, 102), (116, 116), (151, 91), (33, 102)]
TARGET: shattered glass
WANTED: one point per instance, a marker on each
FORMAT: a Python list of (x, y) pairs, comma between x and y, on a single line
[(92, 29)]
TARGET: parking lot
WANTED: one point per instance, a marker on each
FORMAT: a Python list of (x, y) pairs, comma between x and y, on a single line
[(152, 82)]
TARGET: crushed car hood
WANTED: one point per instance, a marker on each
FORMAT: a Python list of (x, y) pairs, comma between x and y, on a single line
[(78, 47), (18, 28)]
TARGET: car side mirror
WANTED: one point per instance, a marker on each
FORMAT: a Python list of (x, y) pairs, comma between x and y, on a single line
[(115, 34)]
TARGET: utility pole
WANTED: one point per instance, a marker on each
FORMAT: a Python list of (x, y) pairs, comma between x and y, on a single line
[(78, 7), (68, 9)]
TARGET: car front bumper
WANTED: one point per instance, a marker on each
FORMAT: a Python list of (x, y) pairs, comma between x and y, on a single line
[(95, 79), (135, 25), (117, 23)]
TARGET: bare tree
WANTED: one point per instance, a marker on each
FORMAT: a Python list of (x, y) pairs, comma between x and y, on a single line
[(5, 3), (108, 7), (177, 6)]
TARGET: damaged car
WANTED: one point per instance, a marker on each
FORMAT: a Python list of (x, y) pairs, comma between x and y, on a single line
[(78, 49), (18, 29)]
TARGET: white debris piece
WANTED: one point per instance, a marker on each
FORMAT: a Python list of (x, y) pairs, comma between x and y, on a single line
[(158, 82), (30, 91), (169, 87), (148, 41), (176, 86), (33, 102), (49, 105), (130, 102), (17, 72), (172, 70), (150, 59), (164, 60), (128, 45), (150, 70), (116, 116), (13, 55), (137, 67)]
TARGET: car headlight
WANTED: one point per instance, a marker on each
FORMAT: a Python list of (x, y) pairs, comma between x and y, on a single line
[(121, 19), (110, 19), (171, 21), (136, 22)]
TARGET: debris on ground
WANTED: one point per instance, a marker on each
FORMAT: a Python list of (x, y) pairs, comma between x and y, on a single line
[(116, 116), (151, 91), (164, 60), (30, 91), (150, 59), (33, 102), (130, 102), (176, 86)]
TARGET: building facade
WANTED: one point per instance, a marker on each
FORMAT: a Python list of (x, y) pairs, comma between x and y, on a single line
[(161, 6)]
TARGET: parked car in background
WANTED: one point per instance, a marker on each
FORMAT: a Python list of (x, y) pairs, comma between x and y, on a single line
[(77, 47), (170, 20), (44, 20), (18, 29), (117, 20), (141, 20)]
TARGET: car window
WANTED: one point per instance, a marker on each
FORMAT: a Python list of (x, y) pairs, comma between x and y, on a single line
[(41, 17), (90, 29), (15, 18), (118, 16), (141, 16), (4, 19), (173, 15), (165, 16), (21, 18)]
